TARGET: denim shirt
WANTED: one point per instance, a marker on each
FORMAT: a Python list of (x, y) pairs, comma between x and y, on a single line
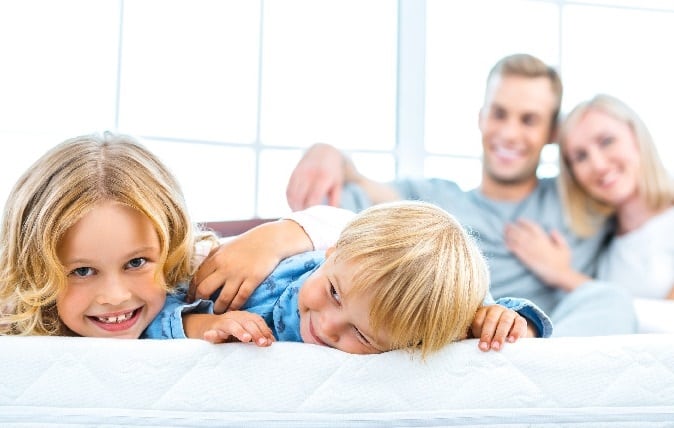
[(275, 300)]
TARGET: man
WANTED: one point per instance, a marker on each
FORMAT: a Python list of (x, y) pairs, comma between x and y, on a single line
[(518, 118)]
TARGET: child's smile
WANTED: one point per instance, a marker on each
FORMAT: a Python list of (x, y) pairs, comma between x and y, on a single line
[(114, 283), (330, 317), (116, 321)]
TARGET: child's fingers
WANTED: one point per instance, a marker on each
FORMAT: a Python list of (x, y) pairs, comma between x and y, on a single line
[(518, 330), (227, 328), (478, 320), (216, 336), (230, 287), (244, 291), (503, 329), (260, 334), (489, 325)]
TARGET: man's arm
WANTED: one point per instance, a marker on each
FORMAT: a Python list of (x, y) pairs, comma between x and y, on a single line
[(320, 175)]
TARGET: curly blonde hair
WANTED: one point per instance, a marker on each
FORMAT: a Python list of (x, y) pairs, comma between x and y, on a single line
[(59, 189)]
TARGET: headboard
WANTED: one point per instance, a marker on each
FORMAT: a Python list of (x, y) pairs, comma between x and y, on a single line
[(234, 227)]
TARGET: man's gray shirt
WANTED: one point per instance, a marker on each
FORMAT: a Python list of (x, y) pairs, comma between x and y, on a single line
[(486, 219)]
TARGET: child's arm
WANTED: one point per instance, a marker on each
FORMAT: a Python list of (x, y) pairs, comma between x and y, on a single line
[(241, 325), (242, 263)]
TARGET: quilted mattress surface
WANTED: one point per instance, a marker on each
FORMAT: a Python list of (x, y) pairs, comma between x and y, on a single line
[(612, 381)]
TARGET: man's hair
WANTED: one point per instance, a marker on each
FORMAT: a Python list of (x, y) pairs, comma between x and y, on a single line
[(426, 275), (583, 211), (58, 190), (525, 65)]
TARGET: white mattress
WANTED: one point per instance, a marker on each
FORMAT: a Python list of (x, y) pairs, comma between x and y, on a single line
[(618, 381)]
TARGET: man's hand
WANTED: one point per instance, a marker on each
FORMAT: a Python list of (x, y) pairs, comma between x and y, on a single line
[(318, 178)]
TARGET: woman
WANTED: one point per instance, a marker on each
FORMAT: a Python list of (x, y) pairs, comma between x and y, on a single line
[(609, 170)]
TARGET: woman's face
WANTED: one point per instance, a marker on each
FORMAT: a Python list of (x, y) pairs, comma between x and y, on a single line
[(603, 155)]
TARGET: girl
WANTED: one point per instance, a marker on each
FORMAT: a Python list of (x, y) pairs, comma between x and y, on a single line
[(95, 234)]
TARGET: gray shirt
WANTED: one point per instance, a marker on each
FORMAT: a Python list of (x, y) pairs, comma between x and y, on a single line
[(486, 219)]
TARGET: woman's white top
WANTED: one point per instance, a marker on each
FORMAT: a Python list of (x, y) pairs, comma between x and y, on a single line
[(643, 260)]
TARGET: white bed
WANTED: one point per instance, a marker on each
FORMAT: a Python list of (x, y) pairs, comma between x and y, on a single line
[(619, 381)]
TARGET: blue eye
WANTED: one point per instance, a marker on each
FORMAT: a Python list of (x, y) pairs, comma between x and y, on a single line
[(136, 262), (607, 141), (82, 272)]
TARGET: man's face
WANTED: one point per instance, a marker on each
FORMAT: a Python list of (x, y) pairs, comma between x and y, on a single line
[(515, 123)]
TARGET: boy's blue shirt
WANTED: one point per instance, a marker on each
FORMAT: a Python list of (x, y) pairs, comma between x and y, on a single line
[(275, 300)]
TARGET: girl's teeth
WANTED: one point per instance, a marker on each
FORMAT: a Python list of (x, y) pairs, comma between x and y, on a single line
[(117, 319)]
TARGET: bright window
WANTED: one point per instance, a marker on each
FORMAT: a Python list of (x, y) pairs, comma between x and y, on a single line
[(230, 92)]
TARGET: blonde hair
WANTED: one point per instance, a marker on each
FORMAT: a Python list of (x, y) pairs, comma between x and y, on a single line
[(585, 213), (525, 65), (424, 271), (58, 190)]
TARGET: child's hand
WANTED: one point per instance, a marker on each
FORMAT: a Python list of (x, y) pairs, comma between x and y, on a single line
[(239, 265), (228, 327), (495, 324), (242, 325)]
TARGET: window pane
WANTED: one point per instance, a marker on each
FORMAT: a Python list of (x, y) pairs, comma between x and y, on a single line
[(218, 181), (59, 65), (456, 69), (627, 58), (190, 69), (642, 4), (275, 169), (379, 167), (16, 162), (329, 73)]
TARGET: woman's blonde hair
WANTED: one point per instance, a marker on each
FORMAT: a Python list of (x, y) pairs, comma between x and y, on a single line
[(424, 271), (57, 191), (583, 211)]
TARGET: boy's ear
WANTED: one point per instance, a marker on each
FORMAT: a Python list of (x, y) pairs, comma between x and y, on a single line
[(329, 251)]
